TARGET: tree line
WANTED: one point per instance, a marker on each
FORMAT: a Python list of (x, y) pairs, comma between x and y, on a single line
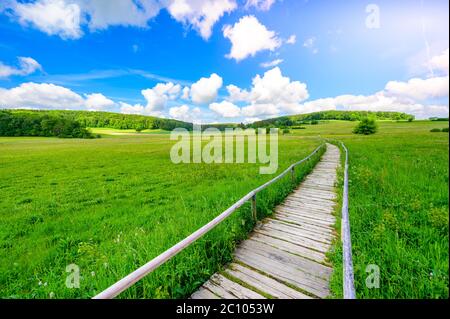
[(40, 124), (313, 118)]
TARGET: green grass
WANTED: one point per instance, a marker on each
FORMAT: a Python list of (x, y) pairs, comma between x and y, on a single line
[(398, 194), (110, 205)]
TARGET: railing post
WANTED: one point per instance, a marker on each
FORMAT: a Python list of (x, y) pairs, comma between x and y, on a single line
[(255, 217)]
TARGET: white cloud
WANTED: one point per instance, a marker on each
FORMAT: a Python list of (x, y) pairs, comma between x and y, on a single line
[(292, 39), (248, 36), (40, 95), (270, 94), (271, 64), (131, 109), (103, 14), (185, 94), (158, 96), (225, 109), (205, 90), (419, 89), (54, 17), (310, 44), (440, 62), (26, 66), (185, 113), (97, 101), (66, 18), (378, 101), (273, 88), (201, 14), (263, 5)]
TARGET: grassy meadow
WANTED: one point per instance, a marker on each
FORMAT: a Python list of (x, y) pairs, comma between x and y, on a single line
[(111, 204)]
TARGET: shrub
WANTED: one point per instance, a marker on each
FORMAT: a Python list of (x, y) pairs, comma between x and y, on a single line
[(435, 130), (286, 131), (314, 122), (445, 129), (366, 126)]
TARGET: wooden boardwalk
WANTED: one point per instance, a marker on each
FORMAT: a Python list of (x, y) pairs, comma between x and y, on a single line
[(284, 257)]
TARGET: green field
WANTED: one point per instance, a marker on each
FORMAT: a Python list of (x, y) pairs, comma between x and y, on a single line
[(111, 204)]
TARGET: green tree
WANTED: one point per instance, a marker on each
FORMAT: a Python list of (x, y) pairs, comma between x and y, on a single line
[(367, 126)]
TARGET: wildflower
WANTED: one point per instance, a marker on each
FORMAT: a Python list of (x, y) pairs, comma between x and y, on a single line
[(52, 295), (92, 273)]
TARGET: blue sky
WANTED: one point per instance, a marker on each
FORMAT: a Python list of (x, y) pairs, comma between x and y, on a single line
[(147, 57)]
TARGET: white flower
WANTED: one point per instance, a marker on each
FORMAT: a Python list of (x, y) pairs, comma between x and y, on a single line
[(92, 273), (40, 283), (52, 295)]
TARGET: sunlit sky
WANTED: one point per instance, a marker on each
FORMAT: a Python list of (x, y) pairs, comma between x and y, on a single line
[(225, 60)]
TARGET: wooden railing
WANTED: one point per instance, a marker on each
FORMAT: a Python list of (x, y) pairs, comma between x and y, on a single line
[(144, 270), (348, 277)]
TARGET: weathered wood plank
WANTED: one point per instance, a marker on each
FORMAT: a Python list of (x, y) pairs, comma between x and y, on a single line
[(264, 283), (203, 293)]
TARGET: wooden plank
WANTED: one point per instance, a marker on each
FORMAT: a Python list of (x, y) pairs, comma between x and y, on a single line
[(301, 231), (319, 231), (264, 283), (311, 267), (290, 247), (306, 213), (203, 293), (218, 290), (230, 290), (291, 275), (309, 220), (295, 239), (303, 223)]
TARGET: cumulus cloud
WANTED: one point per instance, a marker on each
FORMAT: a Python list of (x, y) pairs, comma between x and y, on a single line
[(271, 64), (205, 90), (263, 5), (248, 37), (131, 109), (225, 109), (158, 96), (27, 66), (40, 95), (200, 14), (419, 89), (440, 62), (270, 94), (66, 18), (97, 102), (54, 17), (185, 113)]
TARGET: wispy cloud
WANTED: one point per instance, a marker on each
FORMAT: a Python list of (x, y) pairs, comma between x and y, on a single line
[(77, 79)]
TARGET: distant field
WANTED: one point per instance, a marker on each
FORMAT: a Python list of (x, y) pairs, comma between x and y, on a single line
[(111, 204)]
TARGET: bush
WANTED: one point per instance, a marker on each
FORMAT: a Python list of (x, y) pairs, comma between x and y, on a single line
[(435, 130), (445, 129), (286, 131), (314, 122), (366, 126)]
